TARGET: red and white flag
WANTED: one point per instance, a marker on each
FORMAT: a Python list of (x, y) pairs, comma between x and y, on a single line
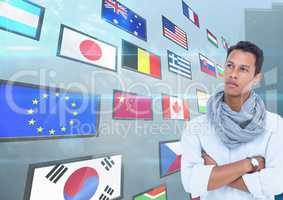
[(83, 48), (175, 108)]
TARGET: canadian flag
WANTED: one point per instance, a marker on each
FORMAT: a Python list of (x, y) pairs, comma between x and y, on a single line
[(175, 108), (78, 46)]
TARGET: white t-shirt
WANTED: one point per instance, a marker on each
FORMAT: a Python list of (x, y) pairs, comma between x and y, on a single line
[(265, 184)]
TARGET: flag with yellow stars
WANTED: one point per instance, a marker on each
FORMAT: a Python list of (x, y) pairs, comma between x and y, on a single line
[(31, 111)]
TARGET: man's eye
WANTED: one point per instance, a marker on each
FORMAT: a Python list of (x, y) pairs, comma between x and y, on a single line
[(243, 69), (228, 65)]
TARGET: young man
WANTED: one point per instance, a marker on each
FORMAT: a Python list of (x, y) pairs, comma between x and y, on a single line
[(234, 152)]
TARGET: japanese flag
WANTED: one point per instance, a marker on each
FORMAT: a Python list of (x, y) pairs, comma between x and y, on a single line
[(83, 48)]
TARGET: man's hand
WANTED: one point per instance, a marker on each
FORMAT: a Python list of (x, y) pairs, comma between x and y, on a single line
[(239, 183), (261, 165), (207, 159), (246, 163)]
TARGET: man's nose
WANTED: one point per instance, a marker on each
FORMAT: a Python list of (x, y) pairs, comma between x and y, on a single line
[(234, 73)]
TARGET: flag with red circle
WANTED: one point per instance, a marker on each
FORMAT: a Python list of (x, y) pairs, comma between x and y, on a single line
[(86, 178), (78, 46)]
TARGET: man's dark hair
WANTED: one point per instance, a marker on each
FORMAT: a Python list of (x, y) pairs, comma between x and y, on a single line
[(247, 46)]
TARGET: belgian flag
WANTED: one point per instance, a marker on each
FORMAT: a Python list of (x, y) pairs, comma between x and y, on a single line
[(140, 60)]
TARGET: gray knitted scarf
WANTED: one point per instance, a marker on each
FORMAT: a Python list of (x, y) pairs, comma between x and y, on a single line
[(236, 128)]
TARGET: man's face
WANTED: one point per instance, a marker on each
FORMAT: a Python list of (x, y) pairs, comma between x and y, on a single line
[(239, 73)]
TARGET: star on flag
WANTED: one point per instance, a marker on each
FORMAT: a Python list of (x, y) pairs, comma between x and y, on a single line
[(32, 111), (31, 122), (44, 112)]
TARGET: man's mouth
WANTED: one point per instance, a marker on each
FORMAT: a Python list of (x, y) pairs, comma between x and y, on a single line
[(231, 84)]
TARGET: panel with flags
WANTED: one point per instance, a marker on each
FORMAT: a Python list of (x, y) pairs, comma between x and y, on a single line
[(44, 112), (83, 178), (175, 108), (170, 157), (124, 18), (38, 112)]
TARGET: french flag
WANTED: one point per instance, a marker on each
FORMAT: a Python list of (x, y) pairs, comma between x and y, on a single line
[(190, 14)]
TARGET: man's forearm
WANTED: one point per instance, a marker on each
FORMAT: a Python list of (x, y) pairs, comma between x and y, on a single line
[(239, 184), (226, 174)]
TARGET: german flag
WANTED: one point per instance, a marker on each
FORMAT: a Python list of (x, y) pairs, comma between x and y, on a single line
[(140, 60)]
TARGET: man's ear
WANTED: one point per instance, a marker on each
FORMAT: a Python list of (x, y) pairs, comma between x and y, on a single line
[(257, 78)]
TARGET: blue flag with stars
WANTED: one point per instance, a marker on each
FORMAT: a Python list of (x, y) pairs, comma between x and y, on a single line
[(35, 112), (124, 18)]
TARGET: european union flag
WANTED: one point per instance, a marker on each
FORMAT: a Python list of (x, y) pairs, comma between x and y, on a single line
[(124, 18), (31, 111)]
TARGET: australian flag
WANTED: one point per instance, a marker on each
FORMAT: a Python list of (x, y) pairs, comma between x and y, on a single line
[(124, 18), (32, 111)]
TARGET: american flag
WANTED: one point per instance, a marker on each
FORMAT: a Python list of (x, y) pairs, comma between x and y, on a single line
[(117, 7), (174, 33)]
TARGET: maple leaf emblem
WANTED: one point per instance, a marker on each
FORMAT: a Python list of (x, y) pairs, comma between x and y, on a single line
[(176, 107)]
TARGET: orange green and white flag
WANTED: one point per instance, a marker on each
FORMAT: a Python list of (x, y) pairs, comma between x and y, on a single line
[(158, 193)]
